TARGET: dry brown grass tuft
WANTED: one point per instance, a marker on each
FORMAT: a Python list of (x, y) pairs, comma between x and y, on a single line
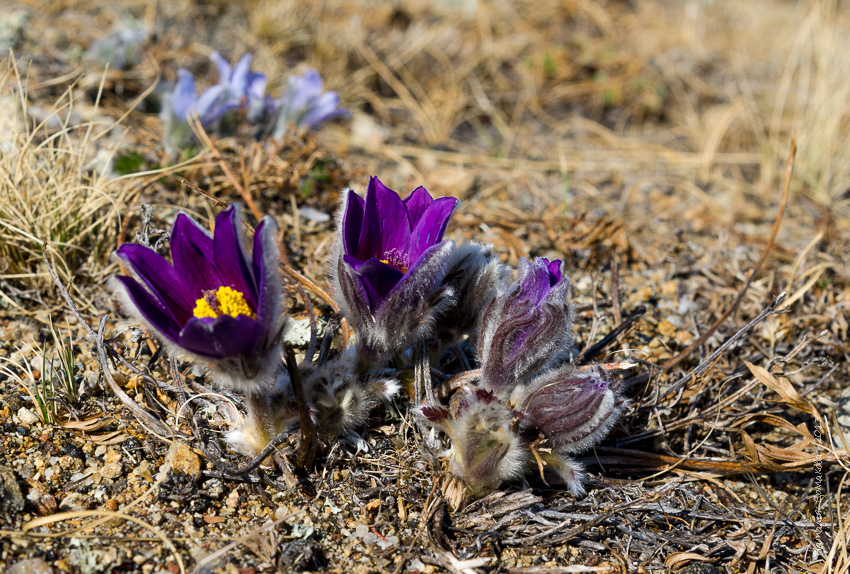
[(813, 98), (52, 191)]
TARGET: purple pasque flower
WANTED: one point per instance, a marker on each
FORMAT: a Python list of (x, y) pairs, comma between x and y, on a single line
[(391, 265), (214, 302), (526, 328), (496, 438), (303, 103)]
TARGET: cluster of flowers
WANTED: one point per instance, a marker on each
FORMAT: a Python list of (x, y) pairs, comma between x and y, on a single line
[(410, 295), (240, 95)]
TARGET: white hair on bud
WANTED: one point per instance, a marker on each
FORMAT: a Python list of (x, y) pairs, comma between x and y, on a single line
[(339, 399), (486, 448), (571, 471)]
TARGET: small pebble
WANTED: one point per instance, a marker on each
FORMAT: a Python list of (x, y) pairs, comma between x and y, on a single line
[(183, 459), (213, 488), (31, 566), (27, 417), (111, 470), (75, 502)]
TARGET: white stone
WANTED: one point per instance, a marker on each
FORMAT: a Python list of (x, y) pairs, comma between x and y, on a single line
[(27, 417)]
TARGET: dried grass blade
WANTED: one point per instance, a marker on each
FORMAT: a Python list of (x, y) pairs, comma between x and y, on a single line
[(783, 387)]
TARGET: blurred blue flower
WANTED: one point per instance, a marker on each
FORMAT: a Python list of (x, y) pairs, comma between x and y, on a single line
[(238, 90), (244, 89), (303, 103), (183, 101)]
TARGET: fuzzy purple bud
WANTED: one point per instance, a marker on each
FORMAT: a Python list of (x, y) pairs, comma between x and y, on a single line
[(527, 328), (339, 399), (475, 276), (573, 409), (486, 447)]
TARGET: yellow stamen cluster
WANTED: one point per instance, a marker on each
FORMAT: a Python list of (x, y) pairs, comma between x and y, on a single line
[(224, 301)]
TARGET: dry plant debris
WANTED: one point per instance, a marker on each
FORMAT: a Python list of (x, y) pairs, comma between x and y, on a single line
[(642, 142)]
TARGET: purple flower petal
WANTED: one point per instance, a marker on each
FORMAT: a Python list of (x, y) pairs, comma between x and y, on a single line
[(386, 229), (354, 295), (266, 263), (230, 255), (352, 222), (323, 108), (220, 338), (301, 90), (263, 247), (183, 97), (257, 83), (161, 278), (192, 253), (223, 67), (416, 203), (536, 284), (555, 273), (209, 107), (378, 278), (312, 84), (258, 104), (238, 80), (431, 226), (151, 308)]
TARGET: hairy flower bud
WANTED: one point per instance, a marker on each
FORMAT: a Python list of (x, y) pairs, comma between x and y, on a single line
[(527, 328), (475, 276)]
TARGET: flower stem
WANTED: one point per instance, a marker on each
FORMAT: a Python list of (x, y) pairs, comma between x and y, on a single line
[(260, 416), (309, 437)]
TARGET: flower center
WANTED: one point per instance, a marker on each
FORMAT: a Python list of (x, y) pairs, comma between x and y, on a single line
[(223, 301)]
